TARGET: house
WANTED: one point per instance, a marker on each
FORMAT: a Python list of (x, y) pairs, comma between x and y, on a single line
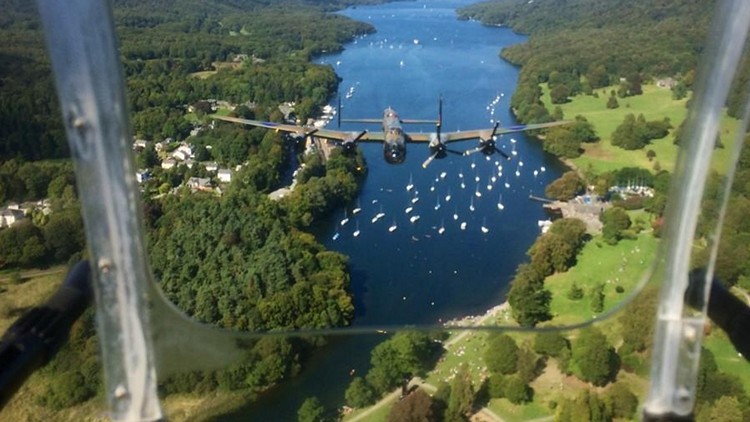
[(211, 166), (168, 164), (189, 163), (666, 83), (8, 217), (183, 152), (199, 184), (161, 146), (225, 175)]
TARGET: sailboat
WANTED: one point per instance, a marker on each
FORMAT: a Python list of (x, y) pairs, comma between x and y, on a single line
[(484, 226), (409, 209), (437, 205), (500, 205), (357, 210), (393, 227), (507, 185), (463, 186), (443, 174), (471, 205), (345, 219), (410, 186), (379, 215), (448, 196), (335, 236), (356, 232), (455, 214), (441, 230), (473, 163), (463, 225), (414, 218), (476, 178), (477, 193)]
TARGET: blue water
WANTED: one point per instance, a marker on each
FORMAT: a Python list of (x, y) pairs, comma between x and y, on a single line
[(415, 275)]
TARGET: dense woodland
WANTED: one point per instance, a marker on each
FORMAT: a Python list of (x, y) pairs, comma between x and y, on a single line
[(258, 55)]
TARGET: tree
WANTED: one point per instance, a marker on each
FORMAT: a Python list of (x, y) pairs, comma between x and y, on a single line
[(612, 102), (417, 406), (585, 407), (501, 354), (550, 343), (517, 391), (311, 410), (621, 402), (528, 298), (637, 321), (575, 292), (562, 143), (595, 358), (566, 187), (615, 220), (559, 94), (462, 396), (359, 393), (527, 365), (597, 298)]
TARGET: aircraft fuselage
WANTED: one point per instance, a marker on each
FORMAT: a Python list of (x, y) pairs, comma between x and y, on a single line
[(394, 146)]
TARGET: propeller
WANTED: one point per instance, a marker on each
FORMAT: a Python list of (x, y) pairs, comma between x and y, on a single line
[(437, 147), (487, 145), (350, 144)]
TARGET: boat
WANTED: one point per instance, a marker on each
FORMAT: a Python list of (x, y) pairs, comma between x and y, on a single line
[(448, 196), (520, 163), (335, 236), (461, 174), (374, 201), (408, 210), (455, 216), (536, 173), (500, 205), (489, 187), (380, 215), (473, 164), (443, 174), (393, 227), (542, 169), (345, 219), (415, 200), (437, 205), (357, 210), (441, 230), (477, 193), (507, 185), (410, 186), (484, 226), (463, 225), (414, 218), (471, 205), (356, 232), (463, 186), (476, 178), (432, 188), (518, 173)]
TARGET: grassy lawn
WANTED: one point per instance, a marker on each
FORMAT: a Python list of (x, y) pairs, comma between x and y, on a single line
[(727, 358), (655, 104), (513, 412), (620, 265)]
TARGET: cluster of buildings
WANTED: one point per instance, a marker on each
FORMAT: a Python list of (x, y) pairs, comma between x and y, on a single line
[(14, 213)]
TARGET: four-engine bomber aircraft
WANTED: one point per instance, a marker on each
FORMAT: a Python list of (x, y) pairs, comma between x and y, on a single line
[(394, 138)]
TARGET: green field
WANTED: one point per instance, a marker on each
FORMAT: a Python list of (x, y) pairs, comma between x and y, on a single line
[(622, 265), (655, 104)]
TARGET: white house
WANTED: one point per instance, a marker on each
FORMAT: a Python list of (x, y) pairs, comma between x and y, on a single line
[(199, 183), (168, 164), (211, 166), (8, 217), (225, 175)]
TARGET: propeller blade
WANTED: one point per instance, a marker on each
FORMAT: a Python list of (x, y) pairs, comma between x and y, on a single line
[(429, 160), (361, 134), (507, 157), (473, 151)]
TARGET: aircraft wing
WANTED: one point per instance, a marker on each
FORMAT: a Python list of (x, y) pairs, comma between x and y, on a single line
[(305, 131), (486, 133)]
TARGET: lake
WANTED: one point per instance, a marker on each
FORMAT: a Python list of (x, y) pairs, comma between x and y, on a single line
[(415, 274)]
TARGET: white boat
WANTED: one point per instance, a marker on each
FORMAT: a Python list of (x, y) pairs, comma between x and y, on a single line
[(489, 187), (437, 205), (507, 185), (476, 179), (358, 209), (443, 174), (414, 218), (335, 236), (455, 216), (477, 193), (471, 205), (356, 232), (374, 201), (542, 169), (415, 200), (410, 186), (520, 164), (408, 210), (345, 219), (500, 205), (441, 230), (375, 219), (536, 173), (463, 186), (461, 174), (432, 188), (448, 197), (393, 227), (380, 215), (493, 179), (463, 225), (518, 173)]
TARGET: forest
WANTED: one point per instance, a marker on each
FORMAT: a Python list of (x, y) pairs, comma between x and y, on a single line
[(253, 53)]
